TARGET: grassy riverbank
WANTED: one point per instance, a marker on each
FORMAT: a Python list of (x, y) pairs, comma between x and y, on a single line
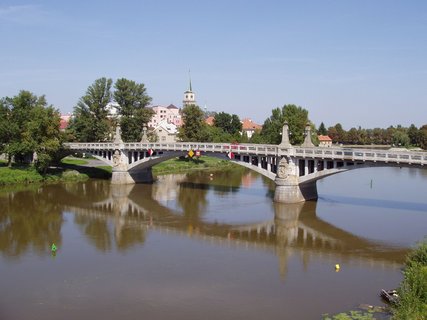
[(28, 174), (185, 164), (413, 289), (77, 170), (412, 293)]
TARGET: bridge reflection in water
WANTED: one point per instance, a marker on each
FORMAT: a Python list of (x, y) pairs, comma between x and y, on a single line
[(133, 210)]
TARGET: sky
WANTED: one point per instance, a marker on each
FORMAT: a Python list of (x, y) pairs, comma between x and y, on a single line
[(354, 62)]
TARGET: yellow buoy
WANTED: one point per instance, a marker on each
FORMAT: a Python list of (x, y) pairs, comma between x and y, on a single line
[(337, 267)]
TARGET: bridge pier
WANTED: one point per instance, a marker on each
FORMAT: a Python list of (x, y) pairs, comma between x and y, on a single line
[(132, 176), (292, 192), (288, 187)]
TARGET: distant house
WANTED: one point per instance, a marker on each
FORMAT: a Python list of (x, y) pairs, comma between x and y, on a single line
[(112, 109), (210, 120), (250, 127), (170, 113), (165, 131), (325, 141), (64, 122)]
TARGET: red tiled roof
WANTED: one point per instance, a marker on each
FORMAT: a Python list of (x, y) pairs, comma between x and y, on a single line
[(210, 120), (248, 124), (324, 138)]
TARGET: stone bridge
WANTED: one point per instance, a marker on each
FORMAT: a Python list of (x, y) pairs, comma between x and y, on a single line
[(295, 169)]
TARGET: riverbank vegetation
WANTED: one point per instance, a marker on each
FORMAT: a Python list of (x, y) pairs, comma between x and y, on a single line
[(413, 289), (72, 169), (29, 174), (29, 126), (187, 164), (363, 313), (394, 135)]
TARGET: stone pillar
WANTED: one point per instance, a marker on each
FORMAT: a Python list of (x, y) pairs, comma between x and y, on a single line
[(288, 189), (268, 163), (285, 137), (144, 138), (131, 177), (259, 161), (307, 140), (305, 167), (118, 135)]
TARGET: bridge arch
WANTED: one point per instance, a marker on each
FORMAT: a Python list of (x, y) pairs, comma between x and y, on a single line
[(318, 175)]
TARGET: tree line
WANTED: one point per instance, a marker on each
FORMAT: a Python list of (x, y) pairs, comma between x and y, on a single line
[(398, 136)]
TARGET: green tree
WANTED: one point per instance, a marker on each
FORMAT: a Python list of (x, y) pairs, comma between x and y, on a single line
[(194, 126), (133, 100), (388, 135), (216, 134), (414, 135), (90, 122), (236, 125), (7, 128), (400, 138), (322, 130), (29, 125), (228, 123), (337, 133), (423, 137), (352, 136), (297, 118)]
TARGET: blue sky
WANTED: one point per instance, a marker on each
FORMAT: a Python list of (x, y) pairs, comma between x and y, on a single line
[(360, 63)]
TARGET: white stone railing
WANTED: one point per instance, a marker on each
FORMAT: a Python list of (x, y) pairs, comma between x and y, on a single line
[(350, 154), (179, 146)]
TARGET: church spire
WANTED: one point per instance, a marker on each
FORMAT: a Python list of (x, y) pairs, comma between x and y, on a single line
[(189, 95)]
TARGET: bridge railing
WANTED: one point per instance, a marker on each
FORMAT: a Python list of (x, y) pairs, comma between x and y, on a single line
[(406, 157), (264, 149)]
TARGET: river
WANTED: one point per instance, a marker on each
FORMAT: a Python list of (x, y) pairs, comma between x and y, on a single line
[(206, 245)]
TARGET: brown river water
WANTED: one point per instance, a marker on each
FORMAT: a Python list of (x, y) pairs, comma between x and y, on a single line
[(196, 246)]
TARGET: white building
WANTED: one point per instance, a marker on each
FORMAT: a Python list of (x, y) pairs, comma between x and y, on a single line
[(170, 113), (250, 127), (325, 141), (113, 109), (165, 131)]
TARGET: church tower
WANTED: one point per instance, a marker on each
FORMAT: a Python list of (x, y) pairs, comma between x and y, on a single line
[(189, 97)]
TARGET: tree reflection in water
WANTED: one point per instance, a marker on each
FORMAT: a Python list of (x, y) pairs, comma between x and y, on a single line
[(29, 220)]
